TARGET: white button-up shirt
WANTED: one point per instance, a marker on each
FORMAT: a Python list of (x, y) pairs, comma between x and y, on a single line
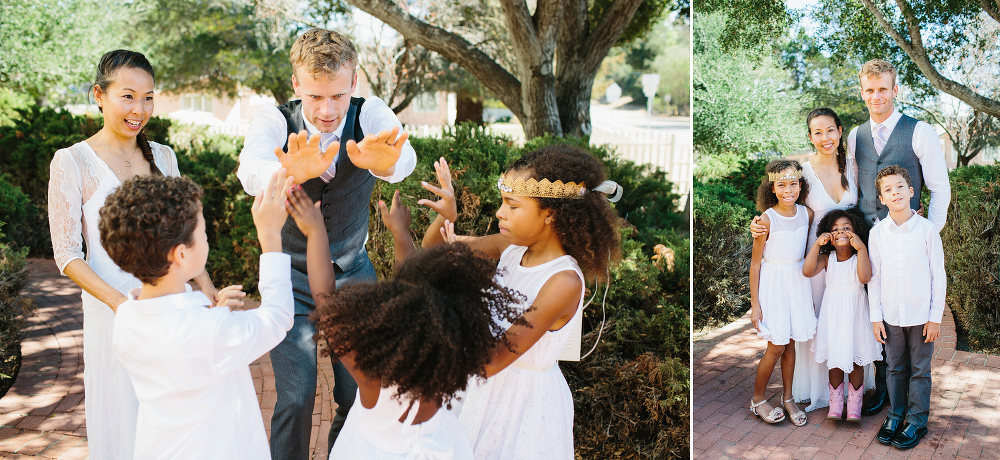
[(927, 147), (189, 365), (908, 282), (268, 129)]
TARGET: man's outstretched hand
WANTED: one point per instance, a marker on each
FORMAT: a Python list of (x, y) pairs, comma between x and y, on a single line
[(304, 159), (378, 152)]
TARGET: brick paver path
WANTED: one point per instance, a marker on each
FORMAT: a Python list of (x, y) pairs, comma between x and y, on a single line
[(42, 416), (964, 421)]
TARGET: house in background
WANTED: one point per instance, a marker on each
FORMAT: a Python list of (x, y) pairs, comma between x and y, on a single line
[(233, 115)]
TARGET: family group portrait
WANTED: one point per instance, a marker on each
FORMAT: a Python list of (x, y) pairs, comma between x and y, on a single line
[(359, 229), (844, 257)]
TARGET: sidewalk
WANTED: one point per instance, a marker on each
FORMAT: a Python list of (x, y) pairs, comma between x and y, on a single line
[(964, 421), (42, 416)]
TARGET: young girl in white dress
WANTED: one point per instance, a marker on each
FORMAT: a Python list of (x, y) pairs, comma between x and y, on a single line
[(410, 342), (780, 296), (80, 179), (844, 342), (555, 225)]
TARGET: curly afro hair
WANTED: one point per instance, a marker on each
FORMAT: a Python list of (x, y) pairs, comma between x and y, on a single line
[(587, 227), (825, 225), (427, 330), (145, 219), (766, 199)]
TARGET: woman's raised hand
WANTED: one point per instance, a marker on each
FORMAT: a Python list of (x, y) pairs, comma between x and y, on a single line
[(446, 206)]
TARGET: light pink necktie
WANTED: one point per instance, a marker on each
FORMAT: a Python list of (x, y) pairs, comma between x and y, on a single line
[(879, 138)]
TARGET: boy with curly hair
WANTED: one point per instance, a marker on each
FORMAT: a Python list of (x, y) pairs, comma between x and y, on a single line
[(189, 363)]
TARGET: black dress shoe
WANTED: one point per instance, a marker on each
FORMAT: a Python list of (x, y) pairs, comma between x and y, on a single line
[(909, 436), (875, 403), (888, 431)]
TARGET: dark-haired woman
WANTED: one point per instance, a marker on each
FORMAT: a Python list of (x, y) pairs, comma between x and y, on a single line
[(80, 178)]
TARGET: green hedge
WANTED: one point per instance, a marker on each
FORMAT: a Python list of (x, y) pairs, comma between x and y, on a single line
[(971, 240), (723, 207)]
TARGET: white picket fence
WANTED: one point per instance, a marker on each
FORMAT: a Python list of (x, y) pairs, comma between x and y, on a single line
[(668, 150)]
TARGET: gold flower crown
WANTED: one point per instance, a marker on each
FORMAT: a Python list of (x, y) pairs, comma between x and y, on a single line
[(540, 189), (784, 175)]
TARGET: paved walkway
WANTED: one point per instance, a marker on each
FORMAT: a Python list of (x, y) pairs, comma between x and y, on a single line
[(42, 416), (964, 421)]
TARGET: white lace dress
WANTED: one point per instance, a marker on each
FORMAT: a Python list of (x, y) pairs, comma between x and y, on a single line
[(378, 434), (811, 378), (79, 183), (526, 410), (784, 293), (844, 333)]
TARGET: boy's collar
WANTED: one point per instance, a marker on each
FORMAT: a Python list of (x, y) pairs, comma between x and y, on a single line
[(908, 224)]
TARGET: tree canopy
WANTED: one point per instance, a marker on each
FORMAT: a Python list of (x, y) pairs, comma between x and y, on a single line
[(557, 49), (917, 37), (743, 102)]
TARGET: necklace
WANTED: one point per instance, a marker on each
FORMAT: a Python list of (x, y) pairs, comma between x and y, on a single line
[(824, 170), (127, 162)]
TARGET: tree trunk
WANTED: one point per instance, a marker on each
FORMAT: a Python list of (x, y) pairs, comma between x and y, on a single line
[(468, 109)]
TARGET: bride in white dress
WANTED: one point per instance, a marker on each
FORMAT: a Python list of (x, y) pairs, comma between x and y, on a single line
[(80, 179)]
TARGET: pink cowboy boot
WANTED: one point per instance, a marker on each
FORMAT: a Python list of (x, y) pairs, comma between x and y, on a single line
[(854, 398), (836, 402)]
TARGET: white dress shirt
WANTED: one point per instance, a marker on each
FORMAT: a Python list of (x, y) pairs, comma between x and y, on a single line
[(189, 365), (269, 129), (908, 282), (927, 147)]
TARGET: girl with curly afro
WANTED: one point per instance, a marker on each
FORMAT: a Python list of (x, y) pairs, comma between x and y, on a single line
[(410, 342), (556, 225)]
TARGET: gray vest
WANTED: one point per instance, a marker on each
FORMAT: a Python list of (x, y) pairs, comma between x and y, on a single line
[(345, 205), (898, 150)]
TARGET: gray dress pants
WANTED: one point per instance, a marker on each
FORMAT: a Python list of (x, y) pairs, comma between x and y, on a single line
[(909, 374)]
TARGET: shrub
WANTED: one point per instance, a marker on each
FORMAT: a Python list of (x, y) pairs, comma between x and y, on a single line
[(15, 208), (722, 247), (971, 239), (13, 309)]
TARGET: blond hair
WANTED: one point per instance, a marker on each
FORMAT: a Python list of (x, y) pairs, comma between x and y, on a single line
[(876, 67), (323, 52)]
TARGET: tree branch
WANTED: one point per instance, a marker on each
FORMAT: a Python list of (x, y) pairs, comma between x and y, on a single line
[(607, 31), (498, 80), (918, 55), (991, 8)]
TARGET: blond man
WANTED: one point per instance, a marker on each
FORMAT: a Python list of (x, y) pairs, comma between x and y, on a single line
[(891, 138), (335, 146)]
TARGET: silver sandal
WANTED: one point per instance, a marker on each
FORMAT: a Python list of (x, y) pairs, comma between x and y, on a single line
[(776, 414)]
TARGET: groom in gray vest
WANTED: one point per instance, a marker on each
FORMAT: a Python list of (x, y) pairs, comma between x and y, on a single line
[(335, 146), (891, 138)]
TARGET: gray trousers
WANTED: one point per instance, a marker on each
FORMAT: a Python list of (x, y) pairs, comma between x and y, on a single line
[(294, 364), (909, 374)]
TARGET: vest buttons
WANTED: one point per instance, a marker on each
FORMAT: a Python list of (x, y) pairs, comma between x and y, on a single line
[(326, 219)]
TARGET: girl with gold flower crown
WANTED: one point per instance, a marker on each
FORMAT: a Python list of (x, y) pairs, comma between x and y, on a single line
[(556, 228), (780, 295)]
